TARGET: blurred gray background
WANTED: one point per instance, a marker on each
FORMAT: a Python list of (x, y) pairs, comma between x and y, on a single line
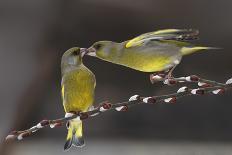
[(33, 36)]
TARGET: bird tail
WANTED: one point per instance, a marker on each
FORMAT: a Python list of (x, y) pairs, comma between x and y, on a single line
[(75, 134), (190, 50)]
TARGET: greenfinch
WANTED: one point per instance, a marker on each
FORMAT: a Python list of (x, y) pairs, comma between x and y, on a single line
[(150, 52), (77, 89)]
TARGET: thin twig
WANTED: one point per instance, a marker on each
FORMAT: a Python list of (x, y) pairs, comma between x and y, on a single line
[(208, 87), (189, 79)]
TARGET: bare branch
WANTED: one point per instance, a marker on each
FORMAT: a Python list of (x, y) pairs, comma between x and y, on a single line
[(205, 87), (190, 79)]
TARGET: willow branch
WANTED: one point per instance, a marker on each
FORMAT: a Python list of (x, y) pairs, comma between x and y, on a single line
[(189, 79), (205, 87)]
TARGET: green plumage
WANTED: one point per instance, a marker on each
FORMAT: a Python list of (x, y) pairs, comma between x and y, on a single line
[(78, 85), (77, 89), (149, 52)]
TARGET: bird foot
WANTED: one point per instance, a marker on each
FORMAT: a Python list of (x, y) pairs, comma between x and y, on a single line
[(91, 108), (165, 76), (157, 77)]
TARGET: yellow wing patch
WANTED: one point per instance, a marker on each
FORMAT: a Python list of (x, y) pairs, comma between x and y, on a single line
[(138, 41), (62, 92), (134, 42), (165, 31)]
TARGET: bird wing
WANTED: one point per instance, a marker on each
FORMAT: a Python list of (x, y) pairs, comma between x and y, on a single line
[(161, 35), (62, 90)]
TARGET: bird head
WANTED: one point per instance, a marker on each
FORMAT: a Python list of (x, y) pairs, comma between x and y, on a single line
[(73, 56), (101, 49)]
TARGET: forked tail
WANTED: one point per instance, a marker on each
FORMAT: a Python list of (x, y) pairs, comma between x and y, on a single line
[(75, 134)]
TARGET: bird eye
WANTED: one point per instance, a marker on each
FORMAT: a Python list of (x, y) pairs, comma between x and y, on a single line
[(76, 53), (97, 46)]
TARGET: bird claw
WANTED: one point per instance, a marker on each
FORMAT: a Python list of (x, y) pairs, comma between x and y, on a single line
[(154, 78), (162, 75), (91, 108)]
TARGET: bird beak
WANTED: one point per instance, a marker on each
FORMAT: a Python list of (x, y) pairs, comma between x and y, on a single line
[(91, 51), (83, 51)]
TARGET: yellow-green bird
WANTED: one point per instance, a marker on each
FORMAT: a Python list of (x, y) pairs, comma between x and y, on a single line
[(78, 85), (150, 52)]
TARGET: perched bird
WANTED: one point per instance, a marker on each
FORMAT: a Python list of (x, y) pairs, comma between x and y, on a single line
[(150, 52), (78, 85)]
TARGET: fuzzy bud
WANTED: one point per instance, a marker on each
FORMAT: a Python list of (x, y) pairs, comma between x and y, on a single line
[(122, 108), (182, 89), (192, 78), (170, 100), (23, 135), (181, 79), (149, 100), (105, 107), (218, 91), (10, 137), (170, 81), (155, 78), (229, 81), (44, 122), (134, 98), (198, 91), (34, 128), (102, 109), (20, 137), (52, 126), (67, 115), (39, 126), (203, 84)]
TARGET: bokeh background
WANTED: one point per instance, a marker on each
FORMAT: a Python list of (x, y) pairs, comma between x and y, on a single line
[(33, 36)]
